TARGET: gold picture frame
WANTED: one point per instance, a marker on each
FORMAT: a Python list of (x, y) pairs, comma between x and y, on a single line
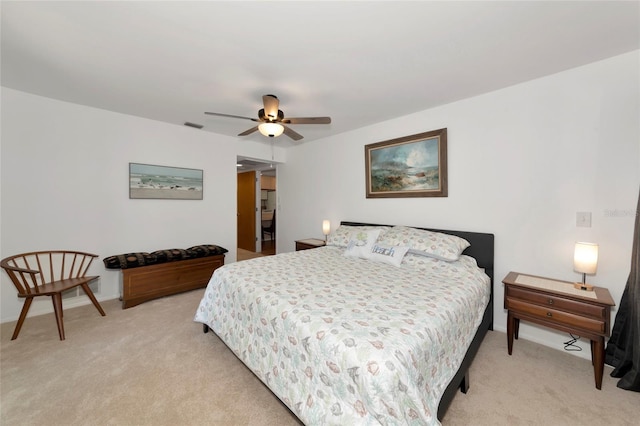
[(410, 166)]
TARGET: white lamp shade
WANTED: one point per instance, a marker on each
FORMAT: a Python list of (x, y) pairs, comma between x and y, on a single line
[(271, 129), (585, 258), (326, 227)]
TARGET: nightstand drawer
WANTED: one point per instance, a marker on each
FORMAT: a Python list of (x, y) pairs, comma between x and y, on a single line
[(557, 302), (555, 316)]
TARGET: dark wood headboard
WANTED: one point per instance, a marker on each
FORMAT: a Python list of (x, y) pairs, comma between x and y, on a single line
[(481, 247)]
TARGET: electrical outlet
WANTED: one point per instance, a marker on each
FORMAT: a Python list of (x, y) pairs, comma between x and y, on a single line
[(583, 219)]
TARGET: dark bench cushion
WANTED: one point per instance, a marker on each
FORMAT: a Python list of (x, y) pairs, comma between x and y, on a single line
[(134, 260), (171, 255), (129, 260), (205, 250)]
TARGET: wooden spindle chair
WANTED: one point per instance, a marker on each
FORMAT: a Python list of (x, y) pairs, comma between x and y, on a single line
[(49, 273)]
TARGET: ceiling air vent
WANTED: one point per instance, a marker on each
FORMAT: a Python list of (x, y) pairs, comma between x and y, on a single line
[(194, 125)]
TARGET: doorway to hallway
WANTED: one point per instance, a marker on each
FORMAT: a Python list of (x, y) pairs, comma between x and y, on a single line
[(257, 204)]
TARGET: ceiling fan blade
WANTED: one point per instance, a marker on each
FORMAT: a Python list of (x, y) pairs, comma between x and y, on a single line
[(231, 116), (248, 131), (271, 105), (292, 134), (307, 120)]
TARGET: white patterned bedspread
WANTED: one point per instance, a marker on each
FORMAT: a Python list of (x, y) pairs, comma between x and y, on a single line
[(347, 341)]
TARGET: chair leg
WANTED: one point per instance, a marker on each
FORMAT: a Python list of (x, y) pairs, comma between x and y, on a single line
[(89, 293), (23, 315), (57, 307)]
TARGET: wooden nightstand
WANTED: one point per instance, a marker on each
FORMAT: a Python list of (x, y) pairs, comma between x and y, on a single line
[(557, 304), (309, 243)]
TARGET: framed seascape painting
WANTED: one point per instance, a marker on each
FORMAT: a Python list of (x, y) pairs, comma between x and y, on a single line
[(162, 182), (411, 166)]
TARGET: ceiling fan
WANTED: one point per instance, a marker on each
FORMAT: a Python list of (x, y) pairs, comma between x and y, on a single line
[(272, 120)]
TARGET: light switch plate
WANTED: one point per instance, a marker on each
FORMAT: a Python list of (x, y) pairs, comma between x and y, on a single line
[(583, 219)]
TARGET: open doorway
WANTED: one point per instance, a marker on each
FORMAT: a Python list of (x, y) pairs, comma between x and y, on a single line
[(257, 208)]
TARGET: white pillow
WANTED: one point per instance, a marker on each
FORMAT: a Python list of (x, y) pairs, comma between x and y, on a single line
[(361, 242), (342, 235), (426, 243), (392, 255)]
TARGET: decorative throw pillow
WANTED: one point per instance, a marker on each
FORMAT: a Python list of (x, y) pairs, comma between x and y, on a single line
[(342, 235), (426, 243), (361, 242), (392, 255), (170, 255), (129, 260), (205, 250)]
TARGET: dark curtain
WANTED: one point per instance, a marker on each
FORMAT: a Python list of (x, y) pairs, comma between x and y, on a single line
[(623, 348)]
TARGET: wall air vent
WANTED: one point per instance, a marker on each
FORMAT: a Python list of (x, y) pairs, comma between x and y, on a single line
[(194, 125)]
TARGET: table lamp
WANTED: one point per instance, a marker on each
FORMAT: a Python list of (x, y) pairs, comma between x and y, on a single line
[(326, 229), (585, 261)]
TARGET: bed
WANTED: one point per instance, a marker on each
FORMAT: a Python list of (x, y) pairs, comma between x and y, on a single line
[(341, 339)]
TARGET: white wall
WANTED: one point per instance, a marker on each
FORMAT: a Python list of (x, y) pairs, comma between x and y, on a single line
[(65, 186), (522, 162)]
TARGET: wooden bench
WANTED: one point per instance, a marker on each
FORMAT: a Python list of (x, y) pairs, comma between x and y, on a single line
[(49, 273), (144, 283), (148, 276)]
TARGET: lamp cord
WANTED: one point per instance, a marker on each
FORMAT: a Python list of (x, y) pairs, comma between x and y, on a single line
[(570, 345)]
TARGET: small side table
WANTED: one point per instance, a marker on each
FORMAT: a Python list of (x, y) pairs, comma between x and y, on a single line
[(557, 304), (309, 243)]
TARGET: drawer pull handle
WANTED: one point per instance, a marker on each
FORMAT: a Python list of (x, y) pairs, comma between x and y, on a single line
[(549, 314), (551, 301)]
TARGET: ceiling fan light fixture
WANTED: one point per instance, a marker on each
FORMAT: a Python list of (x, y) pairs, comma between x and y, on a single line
[(271, 120), (271, 130)]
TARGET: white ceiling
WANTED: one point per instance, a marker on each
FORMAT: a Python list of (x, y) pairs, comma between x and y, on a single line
[(358, 62)]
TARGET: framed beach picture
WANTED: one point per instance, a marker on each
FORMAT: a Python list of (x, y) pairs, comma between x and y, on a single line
[(411, 166), (163, 182)]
